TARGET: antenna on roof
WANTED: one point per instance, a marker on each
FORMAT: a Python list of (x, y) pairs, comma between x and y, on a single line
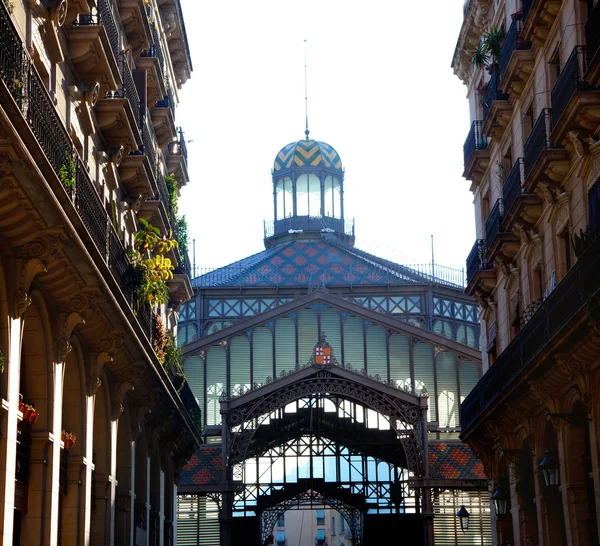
[(306, 132), (432, 260)]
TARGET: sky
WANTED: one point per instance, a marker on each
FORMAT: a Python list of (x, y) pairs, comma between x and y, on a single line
[(381, 91)]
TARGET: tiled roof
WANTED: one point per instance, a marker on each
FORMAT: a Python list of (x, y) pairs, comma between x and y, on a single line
[(454, 461), (304, 263), (204, 468), (303, 153)]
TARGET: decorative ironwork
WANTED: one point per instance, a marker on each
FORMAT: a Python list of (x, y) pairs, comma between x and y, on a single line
[(568, 298), (513, 185), (107, 19), (493, 224), (538, 140), (352, 515), (476, 140), (148, 149), (529, 311), (492, 94), (476, 260), (512, 42), (131, 94), (403, 416), (569, 81), (90, 209), (120, 266)]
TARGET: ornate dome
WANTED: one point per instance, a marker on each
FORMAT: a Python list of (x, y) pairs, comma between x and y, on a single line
[(306, 153)]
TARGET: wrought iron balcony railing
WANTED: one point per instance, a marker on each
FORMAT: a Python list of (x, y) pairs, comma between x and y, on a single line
[(149, 149), (526, 7), (555, 312), (476, 140), (512, 43), (19, 75), (513, 186), (538, 140), (492, 94), (592, 33), (108, 20), (476, 260), (130, 92), (179, 147), (568, 83), (493, 224)]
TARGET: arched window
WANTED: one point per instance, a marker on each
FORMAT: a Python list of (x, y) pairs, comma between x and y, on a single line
[(333, 197), (308, 195), (284, 198)]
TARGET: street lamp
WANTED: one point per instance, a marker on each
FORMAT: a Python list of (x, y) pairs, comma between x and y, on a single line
[(500, 501), (550, 469), (463, 516)]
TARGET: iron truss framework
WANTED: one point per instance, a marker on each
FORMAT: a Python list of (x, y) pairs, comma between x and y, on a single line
[(308, 500)]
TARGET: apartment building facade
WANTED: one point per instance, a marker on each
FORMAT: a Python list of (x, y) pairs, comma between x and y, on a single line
[(532, 155), (96, 419)]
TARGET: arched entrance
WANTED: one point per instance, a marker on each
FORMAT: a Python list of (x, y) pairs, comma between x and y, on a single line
[(339, 427)]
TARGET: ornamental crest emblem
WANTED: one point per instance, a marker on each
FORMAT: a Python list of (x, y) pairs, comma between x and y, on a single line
[(323, 356)]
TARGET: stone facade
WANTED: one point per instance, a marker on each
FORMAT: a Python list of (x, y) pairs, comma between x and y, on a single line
[(95, 422), (533, 158)]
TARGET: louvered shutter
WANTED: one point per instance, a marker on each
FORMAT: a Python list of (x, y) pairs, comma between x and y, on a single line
[(377, 352), (331, 327), (262, 358), (354, 345), (447, 389), (285, 345), (308, 335), (423, 359), (216, 376), (400, 360), (193, 368), (239, 362)]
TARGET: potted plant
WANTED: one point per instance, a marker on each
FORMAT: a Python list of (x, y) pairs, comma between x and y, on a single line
[(68, 439)]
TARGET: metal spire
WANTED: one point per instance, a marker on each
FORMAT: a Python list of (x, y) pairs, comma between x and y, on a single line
[(306, 132)]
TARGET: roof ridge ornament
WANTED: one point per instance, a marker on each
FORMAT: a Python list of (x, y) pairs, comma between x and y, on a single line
[(306, 132)]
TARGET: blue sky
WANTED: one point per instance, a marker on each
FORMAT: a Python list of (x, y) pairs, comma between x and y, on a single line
[(381, 92)]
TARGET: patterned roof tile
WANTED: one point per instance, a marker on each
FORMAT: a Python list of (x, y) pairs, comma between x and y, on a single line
[(454, 461), (204, 467)]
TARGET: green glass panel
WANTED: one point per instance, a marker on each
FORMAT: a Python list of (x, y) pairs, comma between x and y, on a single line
[(331, 327), (262, 359), (423, 359), (193, 367), (285, 345), (239, 361), (354, 344), (377, 351), (216, 376), (308, 335), (469, 374), (447, 390), (400, 361)]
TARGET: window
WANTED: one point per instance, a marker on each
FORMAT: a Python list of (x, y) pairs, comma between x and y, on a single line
[(321, 517), (308, 195), (320, 535), (594, 207), (332, 525), (342, 525), (280, 538), (283, 192), (554, 66), (281, 520)]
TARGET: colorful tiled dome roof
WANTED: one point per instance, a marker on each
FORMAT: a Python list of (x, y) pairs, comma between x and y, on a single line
[(307, 153)]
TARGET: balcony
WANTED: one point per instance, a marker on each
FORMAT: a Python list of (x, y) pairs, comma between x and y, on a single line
[(157, 210), (592, 44), (163, 119), (118, 123), (480, 273), (538, 18), (81, 200), (563, 310), (496, 109), (136, 25), (520, 207), (544, 161), (176, 157), (180, 286), (152, 60), (499, 240), (477, 157), (91, 53), (516, 60), (575, 103)]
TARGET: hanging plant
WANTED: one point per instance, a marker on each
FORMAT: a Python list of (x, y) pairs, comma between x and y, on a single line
[(1, 361), (68, 438), (173, 195), (152, 269), (174, 360), (30, 415), (158, 337), (67, 171)]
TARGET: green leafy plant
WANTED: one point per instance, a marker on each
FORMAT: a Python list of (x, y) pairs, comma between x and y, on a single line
[(174, 359), (487, 52), (196, 418), (67, 171), (173, 195), (152, 269), (183, 237)]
